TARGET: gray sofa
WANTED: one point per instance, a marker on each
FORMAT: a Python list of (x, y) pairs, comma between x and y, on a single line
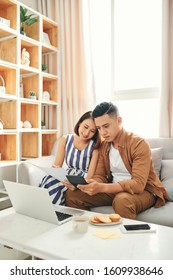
[(162, 154)]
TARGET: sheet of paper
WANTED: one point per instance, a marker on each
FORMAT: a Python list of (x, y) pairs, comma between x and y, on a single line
[(57, 173), (106, 234)]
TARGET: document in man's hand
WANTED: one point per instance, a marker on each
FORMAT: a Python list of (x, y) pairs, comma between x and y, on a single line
[(57, 173)]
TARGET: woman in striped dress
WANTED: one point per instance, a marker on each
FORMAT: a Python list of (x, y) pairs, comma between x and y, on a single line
[(79, 151)]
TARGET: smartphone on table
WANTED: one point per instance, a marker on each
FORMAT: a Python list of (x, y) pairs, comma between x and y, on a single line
[(137, 228)]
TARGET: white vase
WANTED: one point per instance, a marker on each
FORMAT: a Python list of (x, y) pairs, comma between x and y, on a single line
[(33, 97)]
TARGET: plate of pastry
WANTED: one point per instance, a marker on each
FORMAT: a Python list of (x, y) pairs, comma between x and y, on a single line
[(106, 220)]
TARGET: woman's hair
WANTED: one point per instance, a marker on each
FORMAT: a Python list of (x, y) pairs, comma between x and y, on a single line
[(96, 137), (105, 108)]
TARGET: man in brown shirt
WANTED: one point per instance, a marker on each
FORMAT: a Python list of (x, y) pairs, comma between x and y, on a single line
[(124, 177)]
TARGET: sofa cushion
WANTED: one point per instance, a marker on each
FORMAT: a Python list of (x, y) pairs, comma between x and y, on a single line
[(102, 209), (167, 177), (30, 174), (157, 154), (160, 216)]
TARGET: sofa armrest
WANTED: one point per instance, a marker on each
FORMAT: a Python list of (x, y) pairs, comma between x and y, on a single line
[(30, 174)]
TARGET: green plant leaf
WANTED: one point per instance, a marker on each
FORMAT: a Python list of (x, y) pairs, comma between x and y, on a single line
[(28, 19)]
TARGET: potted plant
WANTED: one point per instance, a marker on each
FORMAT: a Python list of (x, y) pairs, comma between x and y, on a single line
[(32, 95), (26, 19), (44, 67), (43, 124)]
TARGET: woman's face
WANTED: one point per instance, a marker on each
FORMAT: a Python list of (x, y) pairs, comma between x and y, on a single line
[(87, 129)]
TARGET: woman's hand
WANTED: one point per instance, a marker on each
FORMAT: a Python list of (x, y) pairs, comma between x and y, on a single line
[(56, 166), (69, 186)]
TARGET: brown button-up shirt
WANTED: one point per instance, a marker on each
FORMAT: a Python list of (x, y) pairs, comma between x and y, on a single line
[(136, 155)]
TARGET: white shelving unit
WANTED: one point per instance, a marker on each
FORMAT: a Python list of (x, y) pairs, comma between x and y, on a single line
[(41, 42)]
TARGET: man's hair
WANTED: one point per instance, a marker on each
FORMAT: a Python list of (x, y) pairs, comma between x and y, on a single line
[(105, 108)]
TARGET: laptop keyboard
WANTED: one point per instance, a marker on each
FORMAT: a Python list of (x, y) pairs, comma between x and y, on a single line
[(62, 216)]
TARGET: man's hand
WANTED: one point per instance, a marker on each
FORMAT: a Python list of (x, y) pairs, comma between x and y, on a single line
[(93, 187)]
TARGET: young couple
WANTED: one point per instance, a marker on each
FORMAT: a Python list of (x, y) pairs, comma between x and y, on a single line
[(119, 172)]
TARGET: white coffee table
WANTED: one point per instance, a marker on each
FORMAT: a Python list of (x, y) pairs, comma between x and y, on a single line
[(49, 241)]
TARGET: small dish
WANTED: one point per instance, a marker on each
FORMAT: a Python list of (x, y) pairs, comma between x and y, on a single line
[(108, 224)]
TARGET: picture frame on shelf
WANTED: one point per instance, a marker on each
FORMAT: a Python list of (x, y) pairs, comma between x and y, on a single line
[(46, 96), (45, 39)]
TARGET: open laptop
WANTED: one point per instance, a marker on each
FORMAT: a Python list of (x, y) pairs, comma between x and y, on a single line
[(36, 203)]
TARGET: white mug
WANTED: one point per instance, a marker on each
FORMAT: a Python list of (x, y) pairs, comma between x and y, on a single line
[(80, 224)]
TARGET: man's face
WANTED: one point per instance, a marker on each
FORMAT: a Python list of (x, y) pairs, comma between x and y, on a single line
[(108, 126)]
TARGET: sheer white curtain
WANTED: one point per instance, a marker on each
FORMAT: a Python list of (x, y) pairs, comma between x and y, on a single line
[(98, 39), (48, 8), (166, 103), (112, 42), (45, 7), (75, 92)]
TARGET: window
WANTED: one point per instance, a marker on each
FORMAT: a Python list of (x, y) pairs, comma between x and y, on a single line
[(125, 42), (137, 63), (137, 44)]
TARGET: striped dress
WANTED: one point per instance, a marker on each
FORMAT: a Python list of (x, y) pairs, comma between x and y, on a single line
[(77, 163)]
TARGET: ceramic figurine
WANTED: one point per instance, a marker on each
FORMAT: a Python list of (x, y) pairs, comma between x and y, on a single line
[(25, 59), (27, 124)]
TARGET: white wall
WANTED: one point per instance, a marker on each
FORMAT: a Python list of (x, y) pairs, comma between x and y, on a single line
[(47, 8), (32, 4)]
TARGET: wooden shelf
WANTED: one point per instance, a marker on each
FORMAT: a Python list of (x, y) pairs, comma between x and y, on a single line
[(49, 115), (51, 85), (48, 140), (30, 144), (8, 11), (32, 31), (9, 75), (9, 120), (51, 61), (8, 50), (8, 148), (51, 29), (33, 51), (29, 112), (30, 83), (17, 142)]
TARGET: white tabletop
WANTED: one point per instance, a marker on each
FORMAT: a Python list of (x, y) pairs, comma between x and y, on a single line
[(49, 241)]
